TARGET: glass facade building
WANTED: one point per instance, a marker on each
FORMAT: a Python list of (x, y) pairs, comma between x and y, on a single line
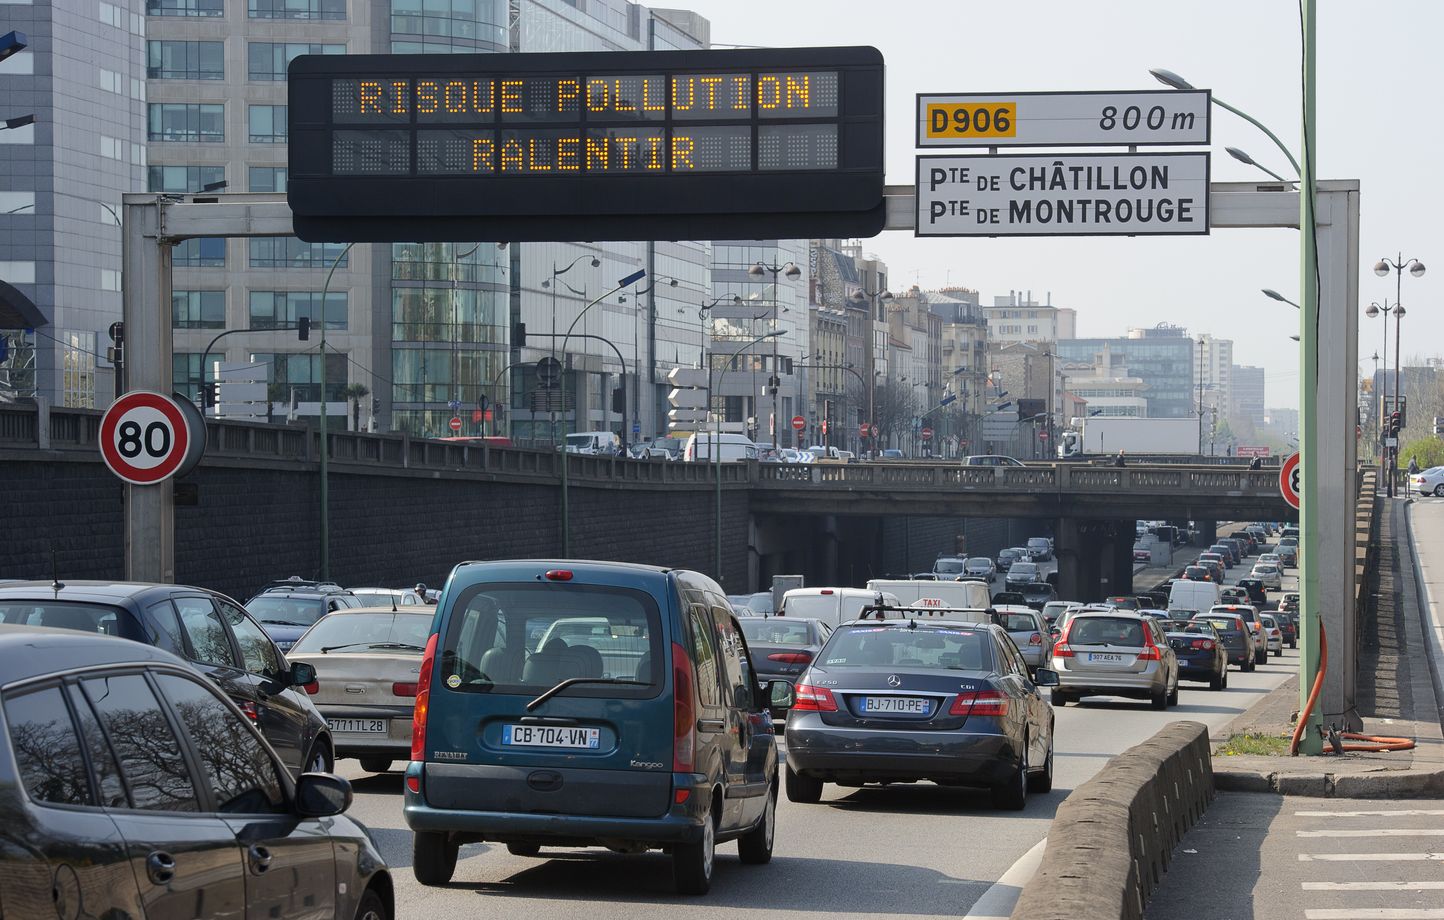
[(1163, 357)]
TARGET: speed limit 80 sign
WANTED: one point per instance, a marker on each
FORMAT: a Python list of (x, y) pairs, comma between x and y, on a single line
[(146, 438), (1289, 484)]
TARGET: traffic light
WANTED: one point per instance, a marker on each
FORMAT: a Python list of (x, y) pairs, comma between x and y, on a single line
[(211, 394), (1438, 425), (773, 382), (518, 335), (303, 328), (619, 400), (1394, 425)]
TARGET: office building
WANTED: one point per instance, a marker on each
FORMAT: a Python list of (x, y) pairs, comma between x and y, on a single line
[(1162, 356), (1248, 396), (1019, 318)]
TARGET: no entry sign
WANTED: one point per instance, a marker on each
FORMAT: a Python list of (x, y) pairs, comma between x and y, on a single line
[(454, 424), (798, 423), (145, 438), (1289, 484)]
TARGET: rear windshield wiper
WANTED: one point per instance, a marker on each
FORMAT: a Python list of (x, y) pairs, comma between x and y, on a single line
[(399, 645), (284, 623), (571, 681)]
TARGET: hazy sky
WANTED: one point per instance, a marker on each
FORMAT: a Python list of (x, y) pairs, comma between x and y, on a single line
[(1380, 69)]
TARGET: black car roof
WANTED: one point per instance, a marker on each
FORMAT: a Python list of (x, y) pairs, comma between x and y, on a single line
[(102, 592), (35, 651)]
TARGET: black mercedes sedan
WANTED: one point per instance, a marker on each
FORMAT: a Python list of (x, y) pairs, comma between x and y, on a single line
[(130, 786), (907, 700)]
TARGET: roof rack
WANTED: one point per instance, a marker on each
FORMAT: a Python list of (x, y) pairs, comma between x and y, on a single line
[(913, 613)]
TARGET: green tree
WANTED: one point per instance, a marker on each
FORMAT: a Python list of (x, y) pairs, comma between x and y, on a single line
[(356, 392), (1428, 450)]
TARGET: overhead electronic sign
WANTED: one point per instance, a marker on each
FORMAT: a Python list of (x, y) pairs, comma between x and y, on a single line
[(770, 143)]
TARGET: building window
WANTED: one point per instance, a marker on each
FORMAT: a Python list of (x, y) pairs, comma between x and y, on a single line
[(185, 373), (198, 309), (281, 309), (441, 315), (185, 7), (182, 179), (289, 252), (77, 377), (199, 252), (296, 9), (178, 60), (267, 179), (187, 122), (477, 20), (268, 60), (268, 124), (301, 374)]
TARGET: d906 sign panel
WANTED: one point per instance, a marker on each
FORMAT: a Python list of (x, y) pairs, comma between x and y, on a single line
[(628, 145)]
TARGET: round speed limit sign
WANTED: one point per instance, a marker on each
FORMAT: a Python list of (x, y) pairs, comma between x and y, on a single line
[(1289, 484), (144, 438)]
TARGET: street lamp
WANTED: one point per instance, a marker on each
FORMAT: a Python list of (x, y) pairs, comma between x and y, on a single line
[(551, 283), (774, 380), (637, 348), (702, 311), (1247, 160), (1275, 295), (12, 43), (876, 297), (1398, 267), (19, 121), (717, 443), (325, 448), (1169, 78)]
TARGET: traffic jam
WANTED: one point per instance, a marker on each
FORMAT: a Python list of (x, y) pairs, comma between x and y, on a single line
[(551, 705)]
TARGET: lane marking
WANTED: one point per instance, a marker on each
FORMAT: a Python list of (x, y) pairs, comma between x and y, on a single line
[(1375, 913), (998, 901), (1404, 812), (1373, 886), (1371, 857), (1377, 832)]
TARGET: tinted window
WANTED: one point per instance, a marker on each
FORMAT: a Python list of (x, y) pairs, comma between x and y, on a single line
[(102, 759), (526, 638), (948, 566), (167, 628), (887, 647), (704, 656), (286, 611), (47, 749), (91, 618), (729, 638), (208, 637), (1017, 622), (362, 633), (141, 736), (258, 653), (241, 774), (1107, 631), (776, 631)]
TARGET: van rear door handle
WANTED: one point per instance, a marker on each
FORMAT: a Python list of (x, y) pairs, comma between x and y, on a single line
[(711, 725)]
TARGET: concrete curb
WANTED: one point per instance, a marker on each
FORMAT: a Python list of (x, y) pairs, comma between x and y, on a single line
[(1113, 838)]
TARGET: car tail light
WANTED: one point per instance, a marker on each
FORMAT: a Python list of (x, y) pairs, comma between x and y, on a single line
[(423, 700), (1150, 651), (313, 688), (825, 592), (1035, 639), (979, 703), (249, 708), (684, 712), (1203, 644), (414, 783), (559, 575), (402, 688), (814, 699), (1061, 649), (791, 657)]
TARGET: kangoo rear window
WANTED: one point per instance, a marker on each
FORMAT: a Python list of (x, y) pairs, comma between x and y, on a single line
[(528, 637)]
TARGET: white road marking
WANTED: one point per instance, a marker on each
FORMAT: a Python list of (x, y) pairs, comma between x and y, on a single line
[(1373, 886), (1376, 832), (1403, 813), (1375, 913), (1371, 857), (998, 901)]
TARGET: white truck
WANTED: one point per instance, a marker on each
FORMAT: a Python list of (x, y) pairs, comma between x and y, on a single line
[(1106, 437)]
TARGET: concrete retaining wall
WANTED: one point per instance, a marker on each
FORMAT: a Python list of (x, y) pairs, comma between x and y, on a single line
[(1113, 838)]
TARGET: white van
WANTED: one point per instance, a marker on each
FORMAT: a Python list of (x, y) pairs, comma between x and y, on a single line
[(955, 595), (1193, 595), (833, 606), (593, 442), (732, 447)]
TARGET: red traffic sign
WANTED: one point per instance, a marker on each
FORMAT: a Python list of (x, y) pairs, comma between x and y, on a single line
[(455, 423), (864, 429), (1042, 435), (144, 438), (1289, 483), (477, 415), (798, 423), (927, 434)]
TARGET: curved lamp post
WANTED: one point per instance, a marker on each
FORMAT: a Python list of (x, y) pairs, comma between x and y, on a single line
[(717, 444)]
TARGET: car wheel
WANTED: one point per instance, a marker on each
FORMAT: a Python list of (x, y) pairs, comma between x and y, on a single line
[(1013, 794), (375, 764), (371, 907), (1217, 682), (1248, 666), (805, 790), (1043, 782), (1294, 644), (1262, 657), (1060, 698), (755, 847), (1159, 700), (319, 760), (1173, 695), (433, 857), (1439, 490), (523, 849), (692, 863)]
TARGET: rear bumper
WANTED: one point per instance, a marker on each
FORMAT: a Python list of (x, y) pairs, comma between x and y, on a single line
[(1203, 670), (1141, 684), (840, 754), (681, 824)]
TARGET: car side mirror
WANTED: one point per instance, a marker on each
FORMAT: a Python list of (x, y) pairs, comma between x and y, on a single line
[(322, 795), (780, 694), (302, 674), (1045, 677), (1054, 631)]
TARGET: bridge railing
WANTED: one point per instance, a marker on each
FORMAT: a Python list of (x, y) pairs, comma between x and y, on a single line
[(1062, 477)]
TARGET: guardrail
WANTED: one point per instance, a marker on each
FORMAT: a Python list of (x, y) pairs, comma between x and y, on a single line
[(1113, 838)]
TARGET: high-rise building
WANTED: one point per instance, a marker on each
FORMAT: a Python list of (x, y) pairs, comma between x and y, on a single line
[(1162, 356), (61, 178), (1248, 394), (1215, 366)]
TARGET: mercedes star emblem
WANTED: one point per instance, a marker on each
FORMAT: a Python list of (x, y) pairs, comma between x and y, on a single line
[(894, 681)]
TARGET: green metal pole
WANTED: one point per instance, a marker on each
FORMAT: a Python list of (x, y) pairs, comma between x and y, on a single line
[(325, 448), (1309, 588)]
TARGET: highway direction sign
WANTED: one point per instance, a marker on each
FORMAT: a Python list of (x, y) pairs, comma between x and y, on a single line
[(1094, 194), (1092, 119), (145, 437), (1289, 484)]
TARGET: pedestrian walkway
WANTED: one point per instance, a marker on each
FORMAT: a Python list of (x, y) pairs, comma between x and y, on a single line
[(1285, 858)]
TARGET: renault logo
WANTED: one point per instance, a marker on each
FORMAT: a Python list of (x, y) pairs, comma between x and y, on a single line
[(894, 681)]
